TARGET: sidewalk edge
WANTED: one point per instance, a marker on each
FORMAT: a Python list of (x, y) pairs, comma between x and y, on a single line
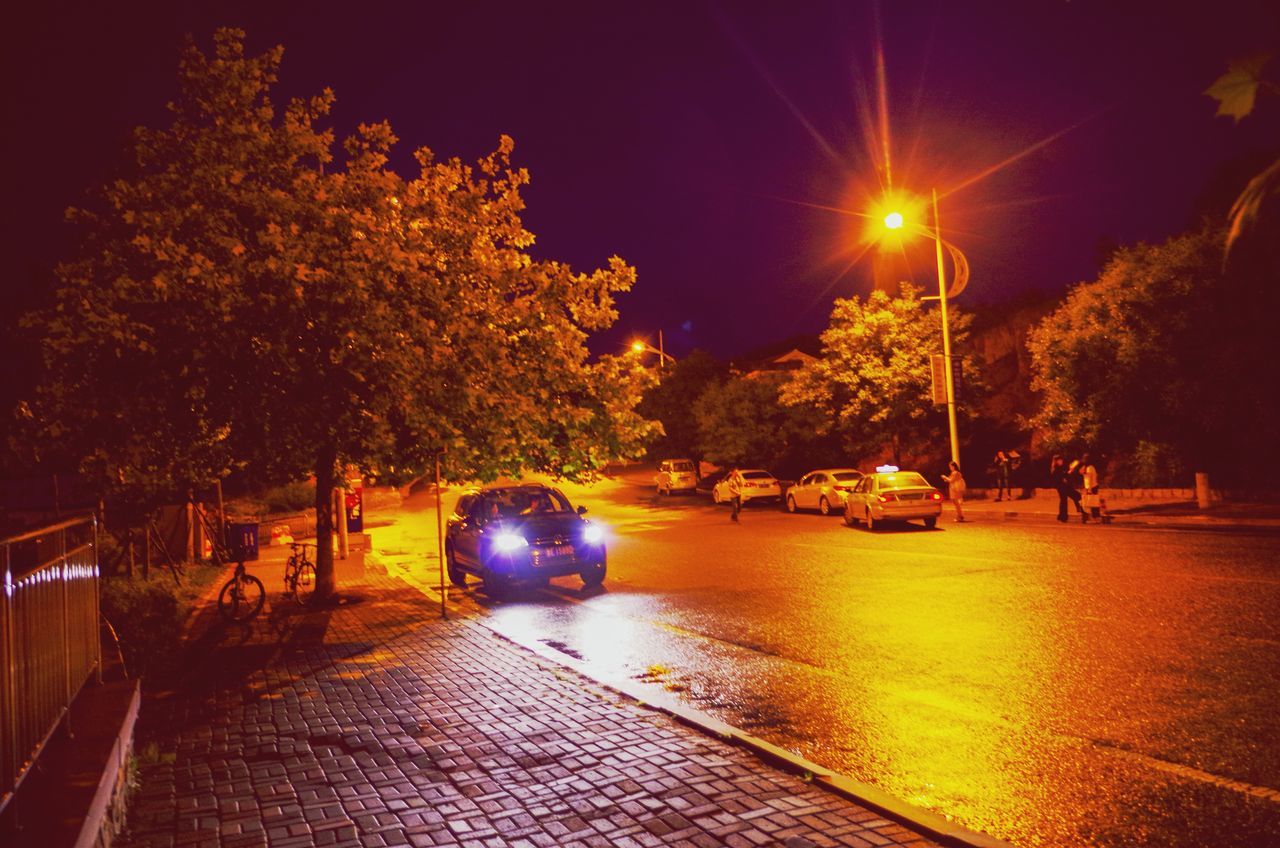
[(930, 824)]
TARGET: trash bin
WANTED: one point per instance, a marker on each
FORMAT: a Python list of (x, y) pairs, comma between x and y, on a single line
[(242, 541)]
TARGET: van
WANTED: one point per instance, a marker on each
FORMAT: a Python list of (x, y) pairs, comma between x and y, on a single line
[(677, 475)]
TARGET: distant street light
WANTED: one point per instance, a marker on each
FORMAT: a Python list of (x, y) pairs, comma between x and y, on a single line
[(894, 221), (640, 346)]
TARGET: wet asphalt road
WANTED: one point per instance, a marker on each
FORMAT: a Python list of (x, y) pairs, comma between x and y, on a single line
[(1049, 685)]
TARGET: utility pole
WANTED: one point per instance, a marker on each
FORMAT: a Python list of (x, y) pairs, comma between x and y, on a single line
[(946, 332)]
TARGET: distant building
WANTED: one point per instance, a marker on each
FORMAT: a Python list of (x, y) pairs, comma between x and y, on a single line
[(789, 355)]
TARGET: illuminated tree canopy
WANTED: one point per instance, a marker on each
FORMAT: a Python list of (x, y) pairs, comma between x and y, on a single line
[(244, 298), (873, 383)]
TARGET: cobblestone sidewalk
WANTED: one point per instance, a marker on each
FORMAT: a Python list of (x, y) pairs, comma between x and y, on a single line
[(375, 723)]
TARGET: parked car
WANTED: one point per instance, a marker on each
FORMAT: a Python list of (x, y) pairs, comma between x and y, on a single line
[(824, 490), (892, 495), (708, 482), (511, 536), (754, 484), (677, 475)]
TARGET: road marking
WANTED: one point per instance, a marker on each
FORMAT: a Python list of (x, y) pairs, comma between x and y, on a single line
[(1263, 792)]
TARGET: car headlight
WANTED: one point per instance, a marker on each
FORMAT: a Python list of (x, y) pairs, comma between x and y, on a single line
[(593, 534), (507, 542)]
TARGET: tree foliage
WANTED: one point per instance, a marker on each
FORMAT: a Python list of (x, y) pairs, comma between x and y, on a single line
[(245, 298), (1236, 92), (741, 422), (672, 403), (1160, 356), (872, 385)]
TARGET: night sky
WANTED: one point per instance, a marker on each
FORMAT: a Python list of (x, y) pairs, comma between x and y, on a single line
[(706, 143)]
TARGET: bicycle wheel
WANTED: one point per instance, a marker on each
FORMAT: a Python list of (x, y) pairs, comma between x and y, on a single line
[(241, 598), (304, 586)]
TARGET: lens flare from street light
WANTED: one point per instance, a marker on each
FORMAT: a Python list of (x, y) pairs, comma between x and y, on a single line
[(893, 220), (638, 347)]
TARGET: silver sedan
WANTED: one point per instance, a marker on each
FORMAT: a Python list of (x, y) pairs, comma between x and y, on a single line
[(824, 490)]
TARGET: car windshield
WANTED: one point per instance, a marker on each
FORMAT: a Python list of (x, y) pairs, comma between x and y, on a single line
[(682, 466), (846, 476), (902, 480), (508, 503), (756, 475)]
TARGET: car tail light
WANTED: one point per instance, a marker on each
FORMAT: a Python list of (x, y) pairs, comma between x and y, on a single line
[(937, 496), (842, 488), (885, 498)]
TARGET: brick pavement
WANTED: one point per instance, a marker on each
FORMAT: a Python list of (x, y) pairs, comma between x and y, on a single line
[(375, 723)]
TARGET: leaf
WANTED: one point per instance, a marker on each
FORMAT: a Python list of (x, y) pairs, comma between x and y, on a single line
[(1237, 89)]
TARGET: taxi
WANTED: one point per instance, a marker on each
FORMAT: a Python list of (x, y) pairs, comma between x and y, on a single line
[(891, 494)]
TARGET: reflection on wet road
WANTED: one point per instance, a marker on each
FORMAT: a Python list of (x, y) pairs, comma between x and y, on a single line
[(1048, 685)]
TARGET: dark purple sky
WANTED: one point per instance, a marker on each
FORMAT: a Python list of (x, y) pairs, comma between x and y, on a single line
[(689, 137)]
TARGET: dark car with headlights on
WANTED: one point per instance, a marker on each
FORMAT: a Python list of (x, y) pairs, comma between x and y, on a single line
[(512, 536)]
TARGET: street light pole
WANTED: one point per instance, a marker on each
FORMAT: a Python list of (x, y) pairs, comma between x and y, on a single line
[(946, 332)]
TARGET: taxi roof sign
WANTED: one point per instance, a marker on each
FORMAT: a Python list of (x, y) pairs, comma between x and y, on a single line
[(886, 469)]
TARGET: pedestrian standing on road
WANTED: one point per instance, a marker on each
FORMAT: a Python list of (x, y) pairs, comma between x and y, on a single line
[(1075, 482), (735, 494), (1004, 468), (956, 488), (1020, 473), (1092, 497), (1058, 482)]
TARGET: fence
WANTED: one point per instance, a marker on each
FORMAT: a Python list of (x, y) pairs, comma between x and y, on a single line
[(49, 644)]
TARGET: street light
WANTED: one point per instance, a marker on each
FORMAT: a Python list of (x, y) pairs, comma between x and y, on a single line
[(894, 220), (641, 346)]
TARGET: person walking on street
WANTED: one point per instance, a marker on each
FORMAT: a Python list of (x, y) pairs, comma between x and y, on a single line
[(1004, 468), (1059, 482), (955, 488), (735, 495)]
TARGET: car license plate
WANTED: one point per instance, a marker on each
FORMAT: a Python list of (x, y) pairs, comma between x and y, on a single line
[(556, 551)]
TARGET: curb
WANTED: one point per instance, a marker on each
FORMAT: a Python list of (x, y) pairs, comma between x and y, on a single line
[(932, 825), (1128, 521)]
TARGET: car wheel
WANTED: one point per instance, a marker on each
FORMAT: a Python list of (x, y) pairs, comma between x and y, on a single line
[(791, 503), (498, 586), (849, 520), (593, 575), (931, 522), (871, 522), (457, 576), (824, 505)]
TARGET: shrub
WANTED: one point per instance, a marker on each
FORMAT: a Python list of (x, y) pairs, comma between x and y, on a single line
[(149, 615), (294, 497)]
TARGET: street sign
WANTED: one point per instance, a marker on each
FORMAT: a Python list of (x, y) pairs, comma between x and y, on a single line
[(938, 366)]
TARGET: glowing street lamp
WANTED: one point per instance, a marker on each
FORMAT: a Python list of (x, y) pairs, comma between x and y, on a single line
[(640, 346), (894, 220)]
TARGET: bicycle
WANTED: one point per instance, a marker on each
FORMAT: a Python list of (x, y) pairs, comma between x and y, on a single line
[(242, 596), (300, 574)]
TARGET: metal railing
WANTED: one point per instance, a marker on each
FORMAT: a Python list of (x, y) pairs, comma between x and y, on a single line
[(49, 643)]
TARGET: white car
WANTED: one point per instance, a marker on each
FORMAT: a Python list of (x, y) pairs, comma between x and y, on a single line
[(824, 490), (753, 484), (676, 475)]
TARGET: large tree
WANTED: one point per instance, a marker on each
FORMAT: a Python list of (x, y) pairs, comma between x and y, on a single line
[(244, 298), (1164, 354), (872, 385), (671, 402), (741, 422)]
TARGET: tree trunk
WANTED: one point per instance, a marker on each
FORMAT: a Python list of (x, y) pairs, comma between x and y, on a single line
[(326, 584)]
